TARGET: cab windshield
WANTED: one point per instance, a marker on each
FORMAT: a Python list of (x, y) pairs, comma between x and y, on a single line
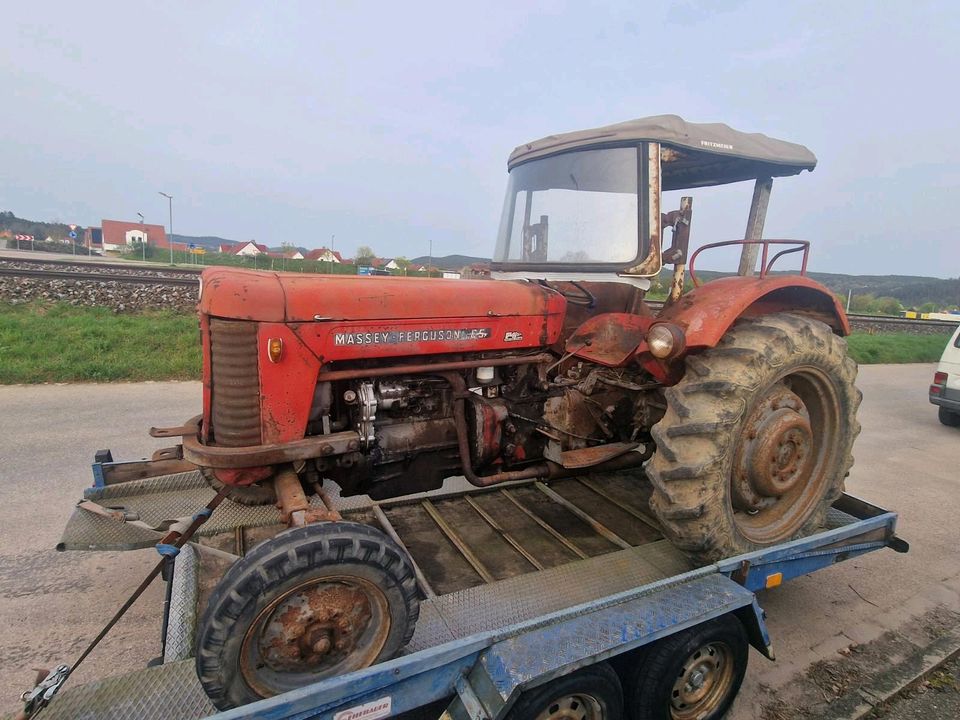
[(572, 209)]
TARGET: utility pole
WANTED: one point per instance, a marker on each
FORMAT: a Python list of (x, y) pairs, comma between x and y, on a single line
[(143, 237), (170, 200), (430, 260)]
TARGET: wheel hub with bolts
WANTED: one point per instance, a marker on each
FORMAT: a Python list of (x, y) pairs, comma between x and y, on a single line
[(703, 682), (315, 626), (572, 707), (775, 454)]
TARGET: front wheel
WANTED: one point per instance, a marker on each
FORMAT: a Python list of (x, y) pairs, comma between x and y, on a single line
[(310, 603), (756, 440)]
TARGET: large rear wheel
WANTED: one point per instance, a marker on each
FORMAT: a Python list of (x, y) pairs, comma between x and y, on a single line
[(310, 603), (756, 440)]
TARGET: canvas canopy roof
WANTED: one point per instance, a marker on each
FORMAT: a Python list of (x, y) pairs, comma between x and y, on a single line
[(695, 155)]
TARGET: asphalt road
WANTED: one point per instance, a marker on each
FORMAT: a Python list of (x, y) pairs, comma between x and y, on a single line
[(52, 603)]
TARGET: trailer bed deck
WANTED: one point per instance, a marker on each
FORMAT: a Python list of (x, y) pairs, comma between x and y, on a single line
[(493, 564)]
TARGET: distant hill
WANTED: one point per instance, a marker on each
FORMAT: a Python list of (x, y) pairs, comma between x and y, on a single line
[(910, 290), (449, 262), (40, 230), (211, 242)]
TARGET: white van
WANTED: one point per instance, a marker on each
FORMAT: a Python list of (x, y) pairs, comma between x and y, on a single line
[(945, 391)]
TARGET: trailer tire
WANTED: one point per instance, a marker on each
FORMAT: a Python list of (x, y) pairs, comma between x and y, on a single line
[(695, 673), (261, 493), (591, 693), (311, 602), (756, 439)]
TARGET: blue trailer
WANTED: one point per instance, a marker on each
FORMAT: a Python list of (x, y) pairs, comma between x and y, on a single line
[(608, 620)]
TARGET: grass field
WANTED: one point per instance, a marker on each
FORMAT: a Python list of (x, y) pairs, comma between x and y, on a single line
[(60, 343), (896, 348)]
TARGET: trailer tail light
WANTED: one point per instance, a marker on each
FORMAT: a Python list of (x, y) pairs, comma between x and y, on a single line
[(274, 349)]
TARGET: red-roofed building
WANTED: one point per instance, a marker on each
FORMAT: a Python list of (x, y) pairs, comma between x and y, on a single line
[(227, 248), (121, 235), (324, 255), (249, 249)]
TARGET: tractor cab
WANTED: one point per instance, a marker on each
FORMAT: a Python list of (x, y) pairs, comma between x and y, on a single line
[(587, 203)]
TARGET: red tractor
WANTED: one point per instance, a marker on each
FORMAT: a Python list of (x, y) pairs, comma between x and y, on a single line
[(736, 400)]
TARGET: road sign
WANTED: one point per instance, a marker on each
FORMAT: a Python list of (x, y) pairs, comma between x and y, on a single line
[(73, 234), (28, 238), (72, 227), (198, 250)]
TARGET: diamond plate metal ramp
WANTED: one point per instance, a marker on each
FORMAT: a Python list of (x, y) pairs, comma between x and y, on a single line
[(167, 692)]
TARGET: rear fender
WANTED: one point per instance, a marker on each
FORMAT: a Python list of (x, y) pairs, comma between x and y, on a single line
[(706, 313)]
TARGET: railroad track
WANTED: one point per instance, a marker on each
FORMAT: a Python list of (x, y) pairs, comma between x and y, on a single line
[(131, 276), (130, 279), (82, 261)]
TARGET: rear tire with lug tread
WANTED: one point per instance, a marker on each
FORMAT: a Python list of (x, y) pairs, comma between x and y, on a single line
[(948, 418), (311, 602), (757, 437), (695, 673), (591, 693)]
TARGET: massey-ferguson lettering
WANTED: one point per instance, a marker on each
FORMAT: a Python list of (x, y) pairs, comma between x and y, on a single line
[(733, 407)]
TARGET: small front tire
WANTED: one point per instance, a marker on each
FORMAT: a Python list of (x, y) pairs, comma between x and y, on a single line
[(310, 603)]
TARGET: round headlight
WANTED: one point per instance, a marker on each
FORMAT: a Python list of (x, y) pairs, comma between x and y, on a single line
[(664, 340)]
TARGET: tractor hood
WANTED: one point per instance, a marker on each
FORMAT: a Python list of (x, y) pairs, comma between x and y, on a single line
[(295, 297)]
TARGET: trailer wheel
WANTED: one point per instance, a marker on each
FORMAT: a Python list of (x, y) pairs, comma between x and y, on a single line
[(261, 493), (310, 603), (756, 440), (593, 693), (694, 674)]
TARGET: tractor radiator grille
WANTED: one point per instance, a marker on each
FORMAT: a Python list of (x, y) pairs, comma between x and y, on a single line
[(236, 383)]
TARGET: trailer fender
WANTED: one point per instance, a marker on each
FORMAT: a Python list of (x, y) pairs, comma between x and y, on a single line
[(707, 312), (753, 618)]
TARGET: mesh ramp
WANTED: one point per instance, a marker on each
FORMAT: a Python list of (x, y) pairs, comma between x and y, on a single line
[(152, 501), (168, 692)]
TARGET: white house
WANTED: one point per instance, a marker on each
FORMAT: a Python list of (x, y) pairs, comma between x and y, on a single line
[(250, 249)]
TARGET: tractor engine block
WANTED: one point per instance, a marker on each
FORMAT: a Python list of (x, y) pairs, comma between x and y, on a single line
[(409, 435)]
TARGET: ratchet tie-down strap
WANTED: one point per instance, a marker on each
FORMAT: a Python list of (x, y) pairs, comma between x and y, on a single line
[(169, 546)]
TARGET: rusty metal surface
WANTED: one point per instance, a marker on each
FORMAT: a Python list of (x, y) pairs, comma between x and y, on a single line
[(323, 627), (776, 451), (272, 454), (235, 399), (609, 339), (596, 455), (706, 312), (295, 508), (766, 263)]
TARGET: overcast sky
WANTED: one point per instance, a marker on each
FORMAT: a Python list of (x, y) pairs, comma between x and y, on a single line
[(389, 124)]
